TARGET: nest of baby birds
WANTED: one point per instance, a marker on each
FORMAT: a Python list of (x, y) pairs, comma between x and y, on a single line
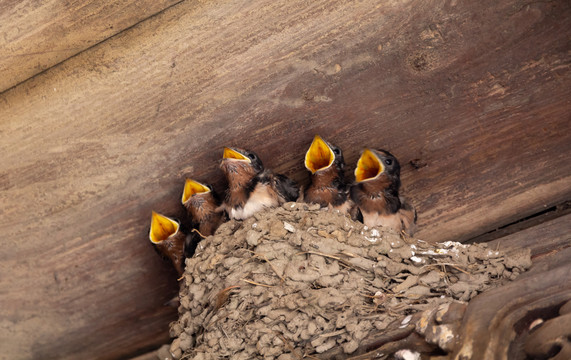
[(299, 281)]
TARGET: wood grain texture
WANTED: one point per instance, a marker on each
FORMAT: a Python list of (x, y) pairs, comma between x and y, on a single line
[(475, 94), (541, 239), (36, 35)]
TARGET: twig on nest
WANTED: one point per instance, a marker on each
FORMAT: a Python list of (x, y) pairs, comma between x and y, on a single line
[(341, 261), (269, 263), (322, 254), (255, 283), (199, 233), (350, 233), (405, 237), (334, 333), (288, 345), (224, 331), (454, 266), (222, 296), (344, 252)]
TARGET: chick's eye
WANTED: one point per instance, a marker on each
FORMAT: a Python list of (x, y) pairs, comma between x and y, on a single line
[(388, 162), (252, 156), (336, 151)]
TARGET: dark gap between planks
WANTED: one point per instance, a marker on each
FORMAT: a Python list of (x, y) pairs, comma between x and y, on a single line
[(548, 214)]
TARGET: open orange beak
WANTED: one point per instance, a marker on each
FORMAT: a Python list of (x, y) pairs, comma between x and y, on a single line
[(234, 155), (192, 187), (369, 166), (319, 156), (162, 228)]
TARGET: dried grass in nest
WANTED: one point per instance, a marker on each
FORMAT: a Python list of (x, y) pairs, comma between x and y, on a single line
[(298, 281)]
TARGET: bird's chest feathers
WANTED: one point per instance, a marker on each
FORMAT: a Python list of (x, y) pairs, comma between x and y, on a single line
[(374, 219), (236, 193), (263, 196), (372, 197), (373, 203), (237, 197), (172, 246), (199, 207), (322, 189), (320, 195)]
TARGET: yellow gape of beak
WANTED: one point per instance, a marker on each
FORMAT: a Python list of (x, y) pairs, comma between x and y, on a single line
[(192, 187), (162, 228), (368, 167), (232, 154), (319, 156)]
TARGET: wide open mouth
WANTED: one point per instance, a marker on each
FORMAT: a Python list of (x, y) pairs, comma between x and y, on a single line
[(230, 153), (192, 187), (319, 156), (162, 228), (369, 166)]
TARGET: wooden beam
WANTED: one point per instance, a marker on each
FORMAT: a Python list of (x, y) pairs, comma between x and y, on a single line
[(541, 239), (36, 35), (496, 322), (544, 216), (496, 319), (473, 97)]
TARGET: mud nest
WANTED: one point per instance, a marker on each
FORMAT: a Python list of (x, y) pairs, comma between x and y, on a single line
[(300, 281)]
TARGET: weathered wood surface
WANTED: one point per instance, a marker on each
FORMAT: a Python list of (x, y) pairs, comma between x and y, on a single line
[(542, 239), (36, 35), (496, 324), (494, 319), (475, 94), (544, 216)]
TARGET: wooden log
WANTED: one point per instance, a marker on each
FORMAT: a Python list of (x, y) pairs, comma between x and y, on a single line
[(473, 97), (37, 35)]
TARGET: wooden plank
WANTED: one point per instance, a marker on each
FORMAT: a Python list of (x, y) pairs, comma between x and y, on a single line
[(497, 322), (525, 223), (541, 239), (474, 94), (36, 35), (496, 319)]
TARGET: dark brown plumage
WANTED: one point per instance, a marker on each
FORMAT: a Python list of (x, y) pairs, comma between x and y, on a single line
[(167, 236), (251, 188), (376, 193), (327, 166), (201, 202)]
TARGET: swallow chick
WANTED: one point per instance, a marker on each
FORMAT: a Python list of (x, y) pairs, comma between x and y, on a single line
[(165, 233), (252, 188), (376, 193), (201, 203), (327, 166)]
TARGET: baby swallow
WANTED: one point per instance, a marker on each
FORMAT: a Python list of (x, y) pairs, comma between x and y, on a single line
[(376, 193), (252, 188), (201, 203), (166, 235), (325, 161)]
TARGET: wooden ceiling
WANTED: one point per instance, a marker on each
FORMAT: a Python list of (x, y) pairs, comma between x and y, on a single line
[(106, 109)]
